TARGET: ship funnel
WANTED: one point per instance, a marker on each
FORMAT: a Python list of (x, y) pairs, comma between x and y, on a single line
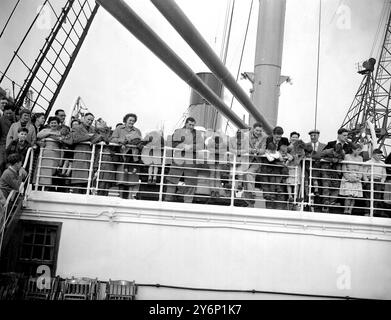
[(268, 58), (206, 115), (173, 13)]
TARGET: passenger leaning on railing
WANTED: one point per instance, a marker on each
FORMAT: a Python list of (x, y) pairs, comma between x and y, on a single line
[(274, 191), (82, 157), (19, 145), (51, 153), (375, 171), (387, 189), (12, 177), (315, 147), (239, 145), (271, 175), (128, 136), (217, 145), (297, 152), (24, 122), (186, 141), (352, 174), (106, 175), (6, 120), (152, 152), (332, 154), (253, 144), (66, 141)]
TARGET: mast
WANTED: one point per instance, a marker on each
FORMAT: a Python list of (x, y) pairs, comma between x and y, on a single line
[(268, 57)]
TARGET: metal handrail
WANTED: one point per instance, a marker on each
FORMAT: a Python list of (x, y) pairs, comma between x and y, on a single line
[(8, 214), (233, 173)]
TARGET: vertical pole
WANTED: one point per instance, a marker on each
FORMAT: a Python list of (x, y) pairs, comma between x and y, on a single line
[(372, 192), (39, 167), (302, 186), (233, 181), (310, 200), (296, 184), (99, 165), (91, 169), (31, 165), (2, 230), (162, 174)]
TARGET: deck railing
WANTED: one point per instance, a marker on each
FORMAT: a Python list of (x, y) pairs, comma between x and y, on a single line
[(200, 177)]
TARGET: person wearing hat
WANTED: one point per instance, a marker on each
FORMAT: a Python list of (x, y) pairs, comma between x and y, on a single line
[(376, 170), (317, 146)]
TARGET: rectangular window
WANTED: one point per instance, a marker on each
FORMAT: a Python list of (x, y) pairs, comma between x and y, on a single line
[(33, 244)]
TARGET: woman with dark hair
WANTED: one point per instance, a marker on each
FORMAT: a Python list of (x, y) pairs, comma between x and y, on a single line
[(74, 124), (51, 153), (128, 136), (293, 137)]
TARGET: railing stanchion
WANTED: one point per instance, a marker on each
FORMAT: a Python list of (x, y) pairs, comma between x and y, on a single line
[(233, 181), (39, 167), (372, 192), (302, 185), (310, 195), (162, 174), (31, 165), (99, 166), (296, 184), (91, 169)]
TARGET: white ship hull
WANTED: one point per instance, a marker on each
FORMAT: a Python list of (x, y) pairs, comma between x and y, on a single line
[(279, 254)]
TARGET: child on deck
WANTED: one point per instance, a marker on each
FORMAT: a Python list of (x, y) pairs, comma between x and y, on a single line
[(19, 145), (286, 159), (152, 154), (272, 172), (297, 153)]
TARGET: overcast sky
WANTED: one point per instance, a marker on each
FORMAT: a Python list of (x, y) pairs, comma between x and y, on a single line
[(115, 74)]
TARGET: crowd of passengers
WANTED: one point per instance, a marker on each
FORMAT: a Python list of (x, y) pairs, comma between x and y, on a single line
[(272, 164)]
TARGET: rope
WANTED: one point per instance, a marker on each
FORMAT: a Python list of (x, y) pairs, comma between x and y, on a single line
[(317, 67), (224, 49), (229, 33), (241, 56), (225, 29), (9, 18), (382, 16)]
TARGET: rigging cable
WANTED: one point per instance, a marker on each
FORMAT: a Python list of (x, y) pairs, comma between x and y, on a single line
[(9, 18), (229, 34), (382, 16), (241, 56), (24, 38), (317, 67), (224, 49)]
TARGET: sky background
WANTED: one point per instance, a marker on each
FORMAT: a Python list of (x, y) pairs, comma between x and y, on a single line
[(116, 74)]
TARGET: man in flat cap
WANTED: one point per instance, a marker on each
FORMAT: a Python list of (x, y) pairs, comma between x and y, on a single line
[(316, 146)]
